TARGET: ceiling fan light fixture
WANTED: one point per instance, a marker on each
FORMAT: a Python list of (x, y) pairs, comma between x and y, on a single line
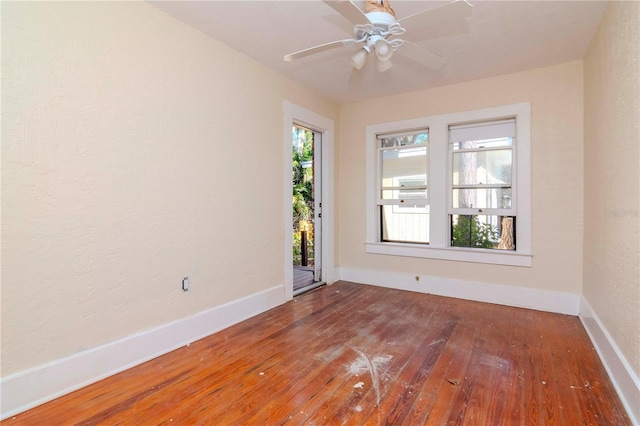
[(383, 66), (384, 50), (359, 58)]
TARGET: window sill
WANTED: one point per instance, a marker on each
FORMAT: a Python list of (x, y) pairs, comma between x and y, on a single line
[(457, 254)]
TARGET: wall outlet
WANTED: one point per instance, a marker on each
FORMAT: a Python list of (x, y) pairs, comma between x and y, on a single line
[(185, 284)]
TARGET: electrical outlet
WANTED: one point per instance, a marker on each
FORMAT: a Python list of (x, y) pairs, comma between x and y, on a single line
[(185, 284)]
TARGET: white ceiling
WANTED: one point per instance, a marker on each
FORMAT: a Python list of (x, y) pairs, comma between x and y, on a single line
[(500, 37)]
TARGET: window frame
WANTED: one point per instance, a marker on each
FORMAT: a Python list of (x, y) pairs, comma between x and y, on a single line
[(439, 191)]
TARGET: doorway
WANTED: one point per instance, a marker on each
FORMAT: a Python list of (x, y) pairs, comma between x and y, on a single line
[(323, 129), (306, 208)]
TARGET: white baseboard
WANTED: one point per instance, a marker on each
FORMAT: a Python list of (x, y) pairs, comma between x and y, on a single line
[(624, 379), (521, 297), (27, 389)]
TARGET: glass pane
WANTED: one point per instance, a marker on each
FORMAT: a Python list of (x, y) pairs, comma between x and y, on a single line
[(408, 224), (483, 231), (404, 167), (415, 139), (407, 195), (485, 143), (481, 168), (482, 198), (302, 196)]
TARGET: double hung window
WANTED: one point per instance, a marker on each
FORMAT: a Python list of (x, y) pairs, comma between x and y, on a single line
[(453, 186), (482, 211), (403, 195)]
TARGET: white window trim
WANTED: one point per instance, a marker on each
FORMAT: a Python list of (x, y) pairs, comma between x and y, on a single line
[(438, 147)]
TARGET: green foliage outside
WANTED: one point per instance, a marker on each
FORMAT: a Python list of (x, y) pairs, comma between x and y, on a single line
[(302, 201), (470, 232)]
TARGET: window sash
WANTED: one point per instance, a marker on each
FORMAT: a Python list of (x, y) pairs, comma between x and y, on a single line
[(490, 129), (409, 175), (380, 186)]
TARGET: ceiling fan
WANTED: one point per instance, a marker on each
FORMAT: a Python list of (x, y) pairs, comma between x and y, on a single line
[(376, 31)]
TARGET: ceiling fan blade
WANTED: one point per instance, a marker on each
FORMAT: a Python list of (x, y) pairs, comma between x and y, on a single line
[(422, 56), (383, 66), (355, 77), (349, 10), (316, 49), (437, 16)]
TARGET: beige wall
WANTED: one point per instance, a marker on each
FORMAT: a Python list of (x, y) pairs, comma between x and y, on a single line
[(612, 177), (556, 98), (135, 151)]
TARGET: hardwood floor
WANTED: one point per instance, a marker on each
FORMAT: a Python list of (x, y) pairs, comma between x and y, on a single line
[(355, 354)]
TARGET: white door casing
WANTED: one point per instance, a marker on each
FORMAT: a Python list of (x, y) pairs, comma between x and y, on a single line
[(296, 115)]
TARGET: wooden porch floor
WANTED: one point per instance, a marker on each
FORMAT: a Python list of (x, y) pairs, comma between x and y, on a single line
[(355, 354), (302, 277)]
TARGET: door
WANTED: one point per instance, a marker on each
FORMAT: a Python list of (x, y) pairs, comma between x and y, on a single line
[(307, 208)]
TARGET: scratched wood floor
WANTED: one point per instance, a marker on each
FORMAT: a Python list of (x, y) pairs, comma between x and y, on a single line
[(355, 354)]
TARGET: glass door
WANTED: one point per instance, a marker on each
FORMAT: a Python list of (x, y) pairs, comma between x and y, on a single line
[(306, 209)]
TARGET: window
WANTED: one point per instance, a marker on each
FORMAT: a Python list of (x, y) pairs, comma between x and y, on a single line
[(453, 186), (402, 186), (482, 214)]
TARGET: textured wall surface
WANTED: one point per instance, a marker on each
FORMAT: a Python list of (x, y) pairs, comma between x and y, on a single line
[(556, 98), (135, 151), (612, 176)]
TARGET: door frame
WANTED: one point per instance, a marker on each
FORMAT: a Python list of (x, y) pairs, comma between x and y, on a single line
[(297, 115)]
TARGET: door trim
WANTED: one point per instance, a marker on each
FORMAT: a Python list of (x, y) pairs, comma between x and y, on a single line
[(318, 275), (294, 114)]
